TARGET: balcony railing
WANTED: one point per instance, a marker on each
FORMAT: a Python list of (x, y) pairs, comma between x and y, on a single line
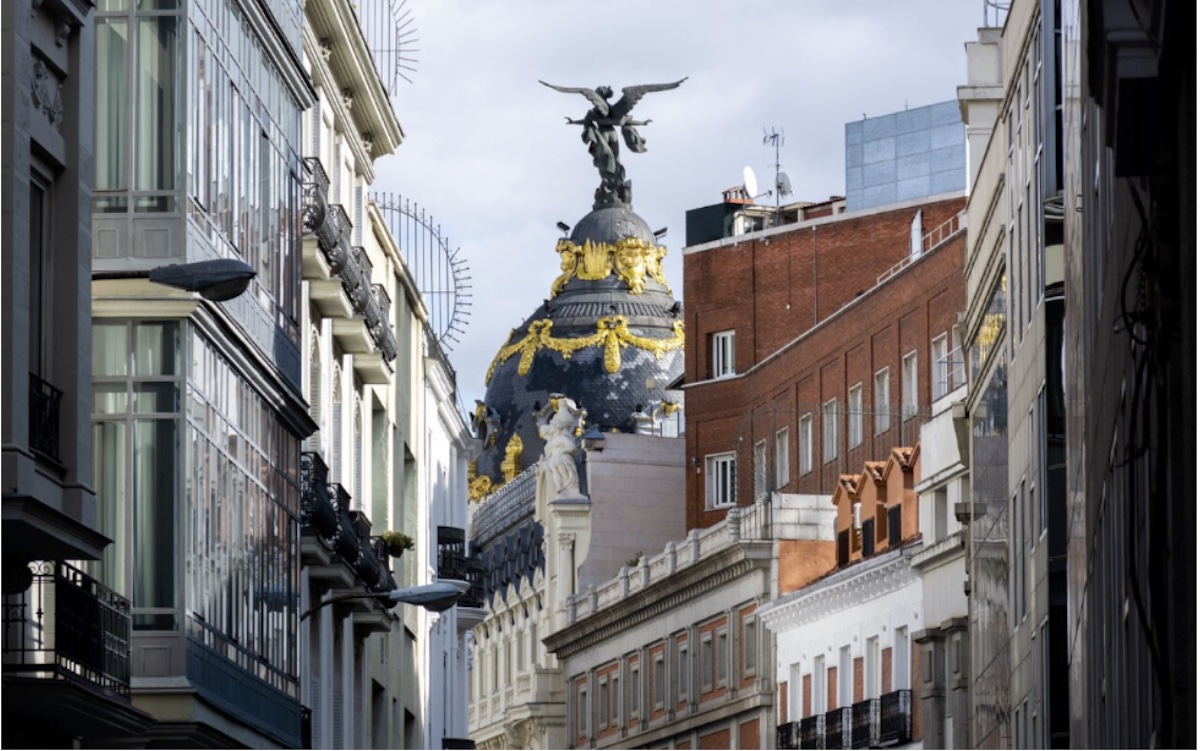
[(865, 732), (345, 542), (895, 718), (838, 723), (317, 511), (68, 626), (334, 237), (787, 735), (44, 401), (454, 563), (379, 322), (316, 192), (812, 732), (356, 279)]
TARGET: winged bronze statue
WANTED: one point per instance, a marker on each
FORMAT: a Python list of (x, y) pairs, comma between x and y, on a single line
[(600, 126)]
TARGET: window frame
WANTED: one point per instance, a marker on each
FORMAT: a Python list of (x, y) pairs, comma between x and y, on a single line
[(909, 385), (854, 415), (806, 443), (939, 384), (883, 397), (713, 464), (783, 474), (723, 347), (829, 431)]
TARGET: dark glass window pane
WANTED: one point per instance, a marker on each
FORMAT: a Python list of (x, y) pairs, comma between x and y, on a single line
[(158, 89), (112, 103), (155, 482)]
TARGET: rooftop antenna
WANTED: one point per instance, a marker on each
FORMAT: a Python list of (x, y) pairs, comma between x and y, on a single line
[(783, 185)]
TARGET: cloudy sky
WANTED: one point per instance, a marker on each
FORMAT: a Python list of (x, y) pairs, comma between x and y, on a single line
[(488, 153)]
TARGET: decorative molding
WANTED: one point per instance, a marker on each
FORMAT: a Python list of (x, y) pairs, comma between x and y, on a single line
[(348, 98), (45, 91), (368, 141), (861, 584), (325, 47)]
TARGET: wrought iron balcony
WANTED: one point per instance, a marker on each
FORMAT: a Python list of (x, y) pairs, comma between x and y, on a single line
[(838, 724), (895, 717), (317, 511), (68, 626), (345, 542), (44, 401), (454, 563), (333, 235), (316, 192), (865, 731), (787, 735), (812, 732), (379, 322), (356, 279)]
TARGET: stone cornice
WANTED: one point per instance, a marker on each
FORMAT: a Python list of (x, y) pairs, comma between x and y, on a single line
[(353, 68), (741, 559), (859, 584)]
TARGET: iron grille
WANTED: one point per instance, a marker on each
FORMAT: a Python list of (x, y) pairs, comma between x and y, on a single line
[(895, 717), (865, 732), (44, 401)]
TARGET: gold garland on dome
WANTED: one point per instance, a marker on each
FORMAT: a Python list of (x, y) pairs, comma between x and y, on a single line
[(612, 333), (631, 258)]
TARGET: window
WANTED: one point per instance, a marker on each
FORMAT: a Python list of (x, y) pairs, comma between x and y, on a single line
[(871, 679), (782, 468), (940, 510), (40, 280), (721, 480), (806, 439), (760, 470), (901, 654), (909, 384), (939, 356), (706, 663), (883, 417), (1043, 458), (723, 363), (829, 429), (136, 372), (854, 414), (614, 702), (845, 678), (582, 717), (660, 677), (820, 681), (602, 692), (722, 657), (683, 672), (635, 690), (749, 647)]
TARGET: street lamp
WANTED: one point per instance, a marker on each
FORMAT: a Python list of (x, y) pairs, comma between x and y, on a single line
[(217, 280), (439, 596)]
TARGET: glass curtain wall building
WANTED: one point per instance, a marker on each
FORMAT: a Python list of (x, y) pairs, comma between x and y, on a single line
[(198, 414)]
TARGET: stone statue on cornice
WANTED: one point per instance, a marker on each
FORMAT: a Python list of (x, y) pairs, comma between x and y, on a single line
[(600, 126)]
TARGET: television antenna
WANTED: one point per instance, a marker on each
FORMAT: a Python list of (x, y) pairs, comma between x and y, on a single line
[(387, 26), (438, 270), (783, 185)]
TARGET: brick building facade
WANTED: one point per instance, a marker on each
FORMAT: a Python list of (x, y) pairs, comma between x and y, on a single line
[(817, 329)]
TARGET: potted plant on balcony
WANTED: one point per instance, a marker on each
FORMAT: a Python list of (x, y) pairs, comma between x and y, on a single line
[(395, 543)]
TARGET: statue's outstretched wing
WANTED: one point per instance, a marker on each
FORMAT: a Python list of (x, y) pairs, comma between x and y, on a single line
[(630, 95), (589, 94)]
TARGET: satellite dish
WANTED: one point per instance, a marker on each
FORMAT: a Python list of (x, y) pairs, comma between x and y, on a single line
[(783, 184), (749, 182)]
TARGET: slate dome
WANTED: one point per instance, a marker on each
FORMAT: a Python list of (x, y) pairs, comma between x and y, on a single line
[(609, 336)]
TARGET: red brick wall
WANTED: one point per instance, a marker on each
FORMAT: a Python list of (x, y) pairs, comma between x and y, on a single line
[(745, 287), (808, 695), (885, 672), (717, 740), (744, 680), (678, 689), (710, 629), (783, 703), (581, 737), (831, 698), (749, 735), (858, 679), (683, 744), (605, 727)]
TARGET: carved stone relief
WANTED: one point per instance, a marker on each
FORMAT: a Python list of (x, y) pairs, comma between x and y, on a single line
[(46, 92)]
